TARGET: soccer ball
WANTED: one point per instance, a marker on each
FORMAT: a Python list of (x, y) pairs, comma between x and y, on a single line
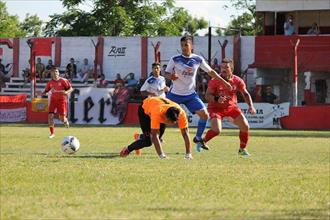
[(70, 144)]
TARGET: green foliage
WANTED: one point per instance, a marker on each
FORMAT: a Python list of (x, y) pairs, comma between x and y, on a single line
[(32, 26), (287, 176), (9, 24), (124, 18), (245, 24)]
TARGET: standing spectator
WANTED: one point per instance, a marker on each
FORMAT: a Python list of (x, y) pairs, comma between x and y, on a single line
[(4, 75), (84, 72), (163, 73), (71, 70), (223, 103), (102, 82), (216, 65), (314, 30), (58, 89), (289, 28), (120, 99), (48, 68), (182, 70), (269, 96), (40, 69)]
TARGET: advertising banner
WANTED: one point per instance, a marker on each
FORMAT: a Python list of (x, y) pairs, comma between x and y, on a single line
[(13, 108), (98, 105), (267, 116)]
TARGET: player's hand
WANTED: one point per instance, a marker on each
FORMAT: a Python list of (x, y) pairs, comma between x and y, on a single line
[(222, 99), (174, 76), (252, 110)]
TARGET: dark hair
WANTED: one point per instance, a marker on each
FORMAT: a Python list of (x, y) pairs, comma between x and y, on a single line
[(172, 114), (230, 61), (186, 38), (155, 64)]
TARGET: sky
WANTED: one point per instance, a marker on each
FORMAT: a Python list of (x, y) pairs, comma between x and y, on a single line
[(211, 10)]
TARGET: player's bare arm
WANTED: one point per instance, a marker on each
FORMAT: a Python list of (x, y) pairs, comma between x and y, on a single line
[(146, 93), (155, 140), (68, 91), (248, 100), (187, 142), (210, 97), (215, 75)]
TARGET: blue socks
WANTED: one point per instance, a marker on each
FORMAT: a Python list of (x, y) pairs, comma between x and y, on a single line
[(201, 127)]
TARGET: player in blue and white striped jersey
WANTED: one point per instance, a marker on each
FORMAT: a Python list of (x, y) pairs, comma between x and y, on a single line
[(182, 70)]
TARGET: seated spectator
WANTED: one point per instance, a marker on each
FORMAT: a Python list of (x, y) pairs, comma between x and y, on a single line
[(314, 30), (40, 69), (102, 82), (269, 96), (71, 70), (118, 80), (48, 68), (84, 72), (289, 28), (131, 82), (26, 76)]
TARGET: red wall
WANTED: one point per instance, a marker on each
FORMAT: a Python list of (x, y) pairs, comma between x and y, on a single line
[(305, 117), (277, 52), (311, 117)]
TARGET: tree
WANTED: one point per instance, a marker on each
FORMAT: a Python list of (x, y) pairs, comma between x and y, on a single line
[(32, 26), (124, 18), (245, 22), (9, 24)]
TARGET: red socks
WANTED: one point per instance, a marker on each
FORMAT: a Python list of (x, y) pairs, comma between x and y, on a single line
[(51, 130), (210, 134), (244, 138)]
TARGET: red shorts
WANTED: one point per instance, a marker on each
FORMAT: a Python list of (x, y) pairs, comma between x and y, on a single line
[(220, 113), (58, 106)]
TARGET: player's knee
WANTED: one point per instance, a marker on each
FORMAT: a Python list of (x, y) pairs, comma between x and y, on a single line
[(205, 116), (244, 127), (147, 142)]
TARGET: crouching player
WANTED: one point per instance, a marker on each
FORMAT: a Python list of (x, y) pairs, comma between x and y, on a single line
[(153, 112), (223, 103), (58, 88)]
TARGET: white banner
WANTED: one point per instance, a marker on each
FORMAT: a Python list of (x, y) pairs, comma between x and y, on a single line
[(13, 115), (97, 106), (267, 116)]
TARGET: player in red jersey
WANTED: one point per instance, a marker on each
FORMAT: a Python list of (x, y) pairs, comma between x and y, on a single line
[(223, 103), (58, 88)]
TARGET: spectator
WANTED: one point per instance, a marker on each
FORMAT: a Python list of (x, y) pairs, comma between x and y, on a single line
[(167, 81), (84, 72), (71, 70), (120, 97), (26, 76), (131, 82), (216, 65), (4, 75), (48, 68), (314, 30), (289, 28), (269, 96), (40, 69), (102, 82), (118, 80)]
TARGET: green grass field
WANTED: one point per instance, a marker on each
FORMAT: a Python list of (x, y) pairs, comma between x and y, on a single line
[(287, 176)]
